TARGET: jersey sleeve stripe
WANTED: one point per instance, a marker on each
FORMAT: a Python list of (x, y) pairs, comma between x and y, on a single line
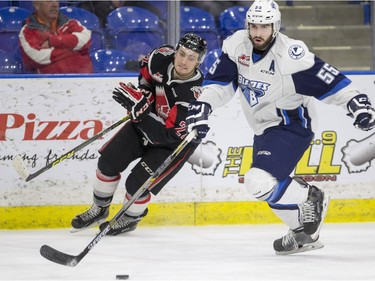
[(342, 84)]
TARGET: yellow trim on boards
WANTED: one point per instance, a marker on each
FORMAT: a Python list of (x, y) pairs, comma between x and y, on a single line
[(183, 214)]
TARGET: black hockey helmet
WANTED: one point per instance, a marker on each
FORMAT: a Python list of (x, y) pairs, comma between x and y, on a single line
[(195, 43)]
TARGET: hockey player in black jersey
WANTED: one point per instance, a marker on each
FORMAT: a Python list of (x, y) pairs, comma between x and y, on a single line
[(169, 79)]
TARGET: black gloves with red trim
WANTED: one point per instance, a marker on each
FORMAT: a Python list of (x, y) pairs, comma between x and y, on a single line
[(136, 101)]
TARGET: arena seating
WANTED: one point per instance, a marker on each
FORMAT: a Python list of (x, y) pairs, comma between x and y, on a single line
[(9, 64), (11, 19), (200, 22), (131, 25), (109, 61), (137, 31), (4, 4), (90, 21), (231, 20)]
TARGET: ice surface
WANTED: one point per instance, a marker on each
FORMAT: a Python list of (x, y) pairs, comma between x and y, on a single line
[(191, 253)]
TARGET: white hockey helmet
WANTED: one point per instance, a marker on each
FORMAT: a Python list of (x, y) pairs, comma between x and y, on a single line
[(265, 12)]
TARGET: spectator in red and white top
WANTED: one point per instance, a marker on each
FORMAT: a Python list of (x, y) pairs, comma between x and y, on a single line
[(53, 43)]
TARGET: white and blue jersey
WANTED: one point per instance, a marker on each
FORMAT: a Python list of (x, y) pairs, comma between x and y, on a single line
[(275, 88)]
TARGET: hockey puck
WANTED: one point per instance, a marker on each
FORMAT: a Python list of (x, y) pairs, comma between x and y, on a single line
[(122, 277)]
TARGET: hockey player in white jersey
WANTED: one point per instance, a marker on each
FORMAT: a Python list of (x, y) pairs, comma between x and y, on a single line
[(276, 77)]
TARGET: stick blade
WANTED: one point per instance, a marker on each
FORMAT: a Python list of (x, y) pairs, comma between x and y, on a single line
[(59, 257), (20, 167)]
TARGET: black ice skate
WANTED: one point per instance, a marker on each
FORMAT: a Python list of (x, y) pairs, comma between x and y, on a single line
[(125, 224), (314, 210), (92, 217), (296, 241)]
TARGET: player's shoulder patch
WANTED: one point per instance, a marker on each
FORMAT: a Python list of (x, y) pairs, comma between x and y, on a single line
[(159, 61), (165, 50), (296, 51), (294, 54)]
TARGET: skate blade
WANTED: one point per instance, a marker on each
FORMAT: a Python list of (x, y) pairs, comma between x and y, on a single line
[(306, 248)]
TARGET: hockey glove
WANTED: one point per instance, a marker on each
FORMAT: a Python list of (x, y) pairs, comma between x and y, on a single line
[(360, 108), (198, 118), (134, 100)]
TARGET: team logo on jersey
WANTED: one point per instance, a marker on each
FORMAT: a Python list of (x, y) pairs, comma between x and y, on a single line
[(296, 52), (244, 60), (161, 103), (252, 89), (197, 91), (165, 51), (158, 77)]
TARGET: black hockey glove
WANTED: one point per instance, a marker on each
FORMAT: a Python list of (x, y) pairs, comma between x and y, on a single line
[(197, 118), (137, 102), (360, 108)]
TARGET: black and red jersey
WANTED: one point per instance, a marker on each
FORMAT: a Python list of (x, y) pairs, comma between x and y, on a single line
[(165, 125)]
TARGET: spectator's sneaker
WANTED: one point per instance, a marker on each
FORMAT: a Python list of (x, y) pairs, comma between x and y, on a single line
[(314, 210), (92, 217), (125, 224), (296, 241)]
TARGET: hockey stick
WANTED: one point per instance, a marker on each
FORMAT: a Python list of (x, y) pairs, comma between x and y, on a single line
[(68, 260), (20, 166)]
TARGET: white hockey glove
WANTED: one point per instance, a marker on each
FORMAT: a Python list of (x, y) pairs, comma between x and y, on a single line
[(360, 108), (197, 118), (137, 102)]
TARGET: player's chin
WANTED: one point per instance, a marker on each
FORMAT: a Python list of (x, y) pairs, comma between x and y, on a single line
[(182, 71), (260, 46)]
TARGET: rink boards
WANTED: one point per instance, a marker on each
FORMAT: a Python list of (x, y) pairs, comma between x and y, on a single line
[(42, 118)]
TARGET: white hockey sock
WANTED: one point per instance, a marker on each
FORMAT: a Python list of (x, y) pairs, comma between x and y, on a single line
[(294, 194), (286, 208), (139, 206), (104, 188)]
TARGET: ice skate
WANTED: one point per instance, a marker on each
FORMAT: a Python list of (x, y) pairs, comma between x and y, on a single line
[(314, 210), (306, 238), (125, 224), (296, 241), (90, 218)]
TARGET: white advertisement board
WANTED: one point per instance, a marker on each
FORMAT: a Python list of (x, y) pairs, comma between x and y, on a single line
[(43, 118)]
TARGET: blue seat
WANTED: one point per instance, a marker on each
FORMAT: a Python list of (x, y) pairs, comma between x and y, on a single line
[(131, 25), (4, 4), (9, 63), (26, 4), (209, 60), (90, 21), (161, 7), (201, 23), (11, 19), (135, 50), (109, 60), (231, 20)]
